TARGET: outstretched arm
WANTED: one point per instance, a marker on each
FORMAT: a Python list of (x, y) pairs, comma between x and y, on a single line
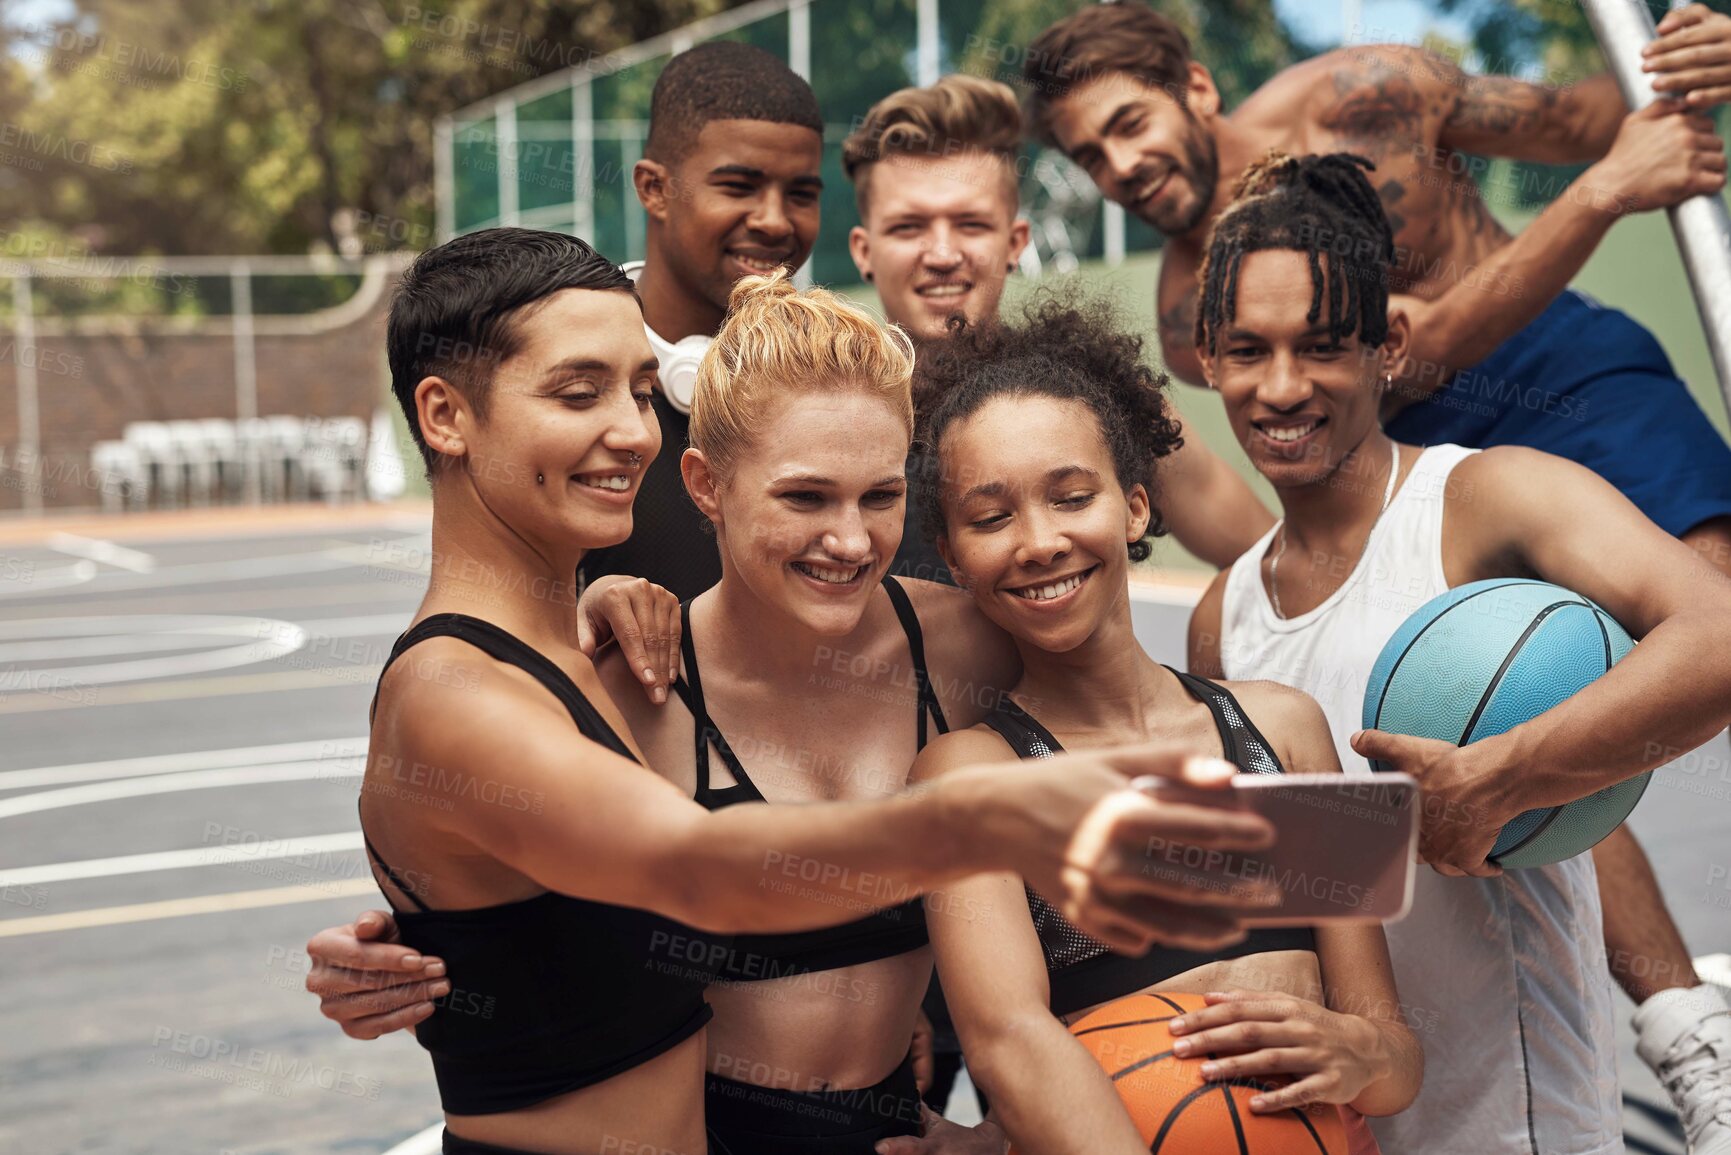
[(1690, 59), (1662, 157), (1211, 510)]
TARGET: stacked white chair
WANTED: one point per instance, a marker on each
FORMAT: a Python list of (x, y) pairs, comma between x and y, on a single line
[(216, 461), (154, 445), (119, 475)]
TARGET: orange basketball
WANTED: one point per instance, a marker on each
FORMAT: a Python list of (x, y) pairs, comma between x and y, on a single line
[(1175, 1109)]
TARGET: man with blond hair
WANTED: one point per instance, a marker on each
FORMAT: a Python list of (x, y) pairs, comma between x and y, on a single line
[(936, 175)]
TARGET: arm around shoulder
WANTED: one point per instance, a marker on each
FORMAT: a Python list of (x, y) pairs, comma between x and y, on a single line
[(1204, 634)]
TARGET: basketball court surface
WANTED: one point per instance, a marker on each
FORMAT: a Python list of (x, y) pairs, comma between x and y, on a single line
[(182, 718)]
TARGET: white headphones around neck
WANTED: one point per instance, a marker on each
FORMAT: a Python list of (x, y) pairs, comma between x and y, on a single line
[(678, 372), (678, 359)]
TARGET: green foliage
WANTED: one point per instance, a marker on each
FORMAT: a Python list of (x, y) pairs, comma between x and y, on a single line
[(217, 126)]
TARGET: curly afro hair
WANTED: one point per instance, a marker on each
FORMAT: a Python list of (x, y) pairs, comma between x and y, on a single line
[(1071, 350)]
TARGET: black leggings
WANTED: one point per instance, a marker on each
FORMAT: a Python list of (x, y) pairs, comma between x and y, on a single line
[(748, 1120)]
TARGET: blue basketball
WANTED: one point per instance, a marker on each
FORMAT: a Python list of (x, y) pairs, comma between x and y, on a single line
[(1482, 659)]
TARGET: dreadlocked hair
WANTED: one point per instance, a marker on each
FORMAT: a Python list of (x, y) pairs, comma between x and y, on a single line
[(1317, 205), (1072, 350)]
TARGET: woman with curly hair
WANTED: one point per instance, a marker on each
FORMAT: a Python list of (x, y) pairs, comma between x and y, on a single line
[(807, 677), (1047, 433)]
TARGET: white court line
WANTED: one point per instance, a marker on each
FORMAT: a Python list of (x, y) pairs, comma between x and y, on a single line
[(180, 907), (215, 572), (150, 633), (220, 855), (266, 640), (35, 580), (331, 748), (174, 784), (105, 552), (363, 626)]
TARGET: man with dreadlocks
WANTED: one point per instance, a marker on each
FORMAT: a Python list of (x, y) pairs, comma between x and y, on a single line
[(1115, 87), (1502, 971)]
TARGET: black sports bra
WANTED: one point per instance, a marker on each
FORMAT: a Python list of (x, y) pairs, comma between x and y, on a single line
[(882, 934), (1082, 971), (551, 993)]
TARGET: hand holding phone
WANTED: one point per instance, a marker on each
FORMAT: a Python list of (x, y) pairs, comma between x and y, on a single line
[(1344, 848)]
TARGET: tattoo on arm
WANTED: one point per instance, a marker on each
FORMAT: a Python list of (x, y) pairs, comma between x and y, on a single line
[(1178, 323), (1377, 111), (1390, 193), (1502, 106)]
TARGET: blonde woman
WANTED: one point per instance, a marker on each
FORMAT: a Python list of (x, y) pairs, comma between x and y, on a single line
[(580, 913)]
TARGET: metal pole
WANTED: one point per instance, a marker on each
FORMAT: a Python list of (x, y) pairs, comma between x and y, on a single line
[(245, 374), (799, 60), (583, 157), (1114, 234), (926, 49), (24, 358), (444, 187), (799, 39), (1702, 225), (505, 140)]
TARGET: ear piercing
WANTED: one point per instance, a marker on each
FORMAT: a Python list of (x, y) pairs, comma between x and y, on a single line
[(868, 276)]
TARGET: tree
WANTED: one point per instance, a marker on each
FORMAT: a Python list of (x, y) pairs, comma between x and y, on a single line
[(220, 126)]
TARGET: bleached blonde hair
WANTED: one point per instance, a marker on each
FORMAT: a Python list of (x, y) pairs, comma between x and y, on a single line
[(780, 341)]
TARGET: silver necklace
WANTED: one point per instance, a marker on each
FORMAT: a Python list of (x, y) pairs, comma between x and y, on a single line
[(1280, 546)]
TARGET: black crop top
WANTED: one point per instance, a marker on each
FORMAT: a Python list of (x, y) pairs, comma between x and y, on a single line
[(1082, 971), (881, 934), (551, 993)]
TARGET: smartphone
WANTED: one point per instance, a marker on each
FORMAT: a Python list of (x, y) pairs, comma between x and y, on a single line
[(1344, 850)]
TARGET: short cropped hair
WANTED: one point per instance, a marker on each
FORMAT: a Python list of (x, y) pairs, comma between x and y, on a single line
[(1128, 37), (959, 113), (778, 340), (723, 80), (458, 310)]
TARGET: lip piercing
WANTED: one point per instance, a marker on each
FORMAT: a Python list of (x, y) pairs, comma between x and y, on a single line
[(636, 460)]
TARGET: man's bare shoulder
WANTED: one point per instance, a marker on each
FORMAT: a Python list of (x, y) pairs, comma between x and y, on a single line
[(1284, 93)]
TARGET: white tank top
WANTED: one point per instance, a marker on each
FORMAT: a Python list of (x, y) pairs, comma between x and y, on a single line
[(1502, 980)]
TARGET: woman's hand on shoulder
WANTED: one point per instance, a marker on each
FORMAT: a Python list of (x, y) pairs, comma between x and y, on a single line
[(642, 618)]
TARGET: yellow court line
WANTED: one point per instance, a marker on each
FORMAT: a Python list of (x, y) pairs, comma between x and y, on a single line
[(326, 677), (179, 907)]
